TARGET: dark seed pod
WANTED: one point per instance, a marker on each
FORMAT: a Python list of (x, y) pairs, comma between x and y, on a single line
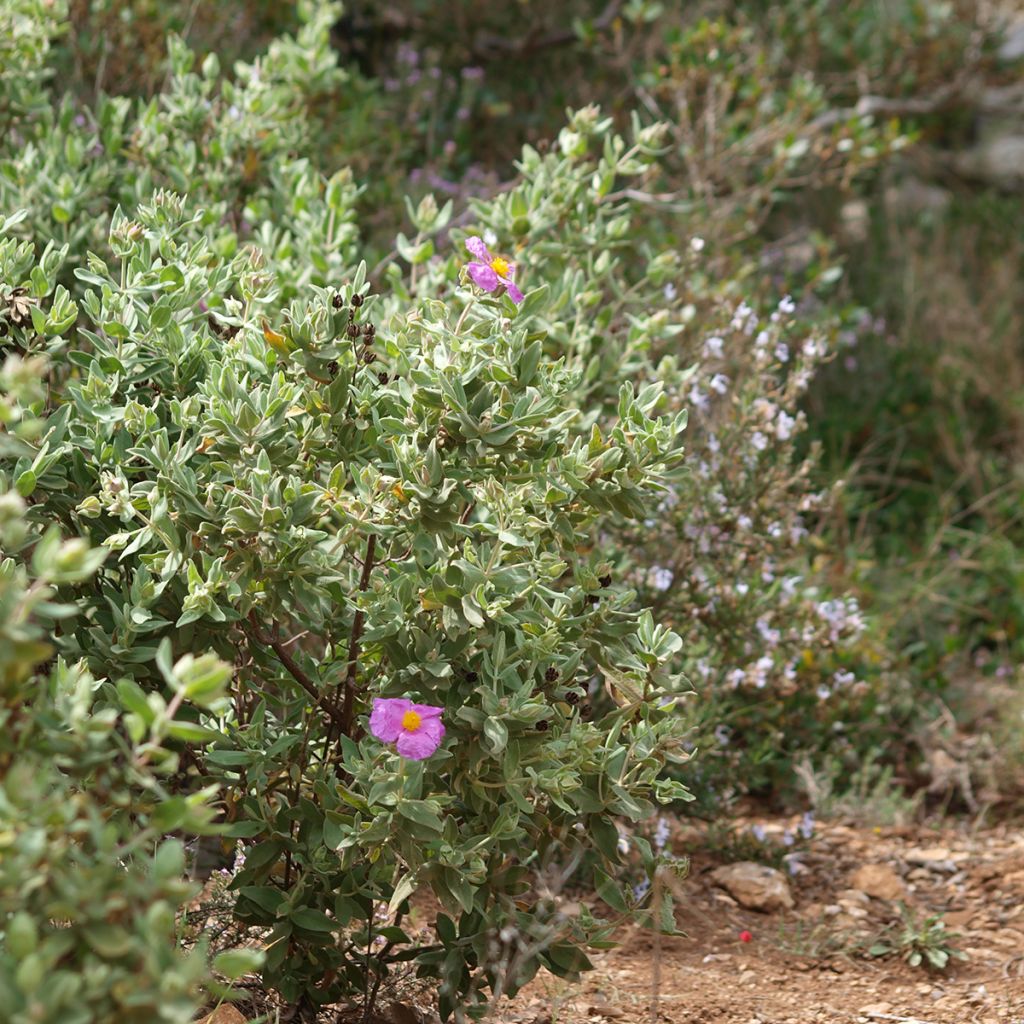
[(586, 713), (357, 300), (551, 675), (572, 698), (369, 357), (543, 727), (383, 378), (333, 368), (605, 581), (472, 677), (369, 331), (352, 331), (338, 302)]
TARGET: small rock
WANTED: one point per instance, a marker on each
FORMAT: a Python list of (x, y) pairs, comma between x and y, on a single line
[(854, 897), (748, 977), (875, 1009), (609, 1012), (959, 918), (879, 881), (1012, 48), (998, 161), (754, 886), (934, 858), (854, 913), (225, 1014)]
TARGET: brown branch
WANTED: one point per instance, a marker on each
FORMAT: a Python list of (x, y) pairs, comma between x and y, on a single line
[(354, 638), (280, 649)]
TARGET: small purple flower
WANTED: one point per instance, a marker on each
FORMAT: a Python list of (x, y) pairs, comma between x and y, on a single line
[(416, 729), (491, 272), (759, 833), (807, 825)]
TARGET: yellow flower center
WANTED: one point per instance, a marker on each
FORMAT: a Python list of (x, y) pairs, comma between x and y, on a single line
[(411, 721), (500, 266)]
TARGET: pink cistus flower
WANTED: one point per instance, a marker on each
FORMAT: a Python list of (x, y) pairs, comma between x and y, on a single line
[(492, 272), (415, 729)]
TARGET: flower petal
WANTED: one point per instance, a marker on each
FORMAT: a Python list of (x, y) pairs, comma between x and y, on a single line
[(426, 711), (386, 717), (483, 276), (513, 292), (475, 244), (423, 742)]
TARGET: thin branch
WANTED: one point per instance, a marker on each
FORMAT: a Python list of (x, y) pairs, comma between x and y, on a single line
[(354, 638), (280, 649)]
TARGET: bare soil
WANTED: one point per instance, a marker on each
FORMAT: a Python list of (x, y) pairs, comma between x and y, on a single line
[(810, 964)]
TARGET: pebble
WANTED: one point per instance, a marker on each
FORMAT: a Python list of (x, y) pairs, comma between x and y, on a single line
[(878, 881), (755, 886)]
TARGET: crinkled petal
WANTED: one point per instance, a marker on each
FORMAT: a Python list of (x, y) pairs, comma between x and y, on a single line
[(483, 276), (386, 717), (423, 742), (513, 292), (475, 244), (427, 710)]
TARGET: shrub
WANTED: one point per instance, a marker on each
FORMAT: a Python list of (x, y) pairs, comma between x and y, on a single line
[(349, 497), (90, 881)]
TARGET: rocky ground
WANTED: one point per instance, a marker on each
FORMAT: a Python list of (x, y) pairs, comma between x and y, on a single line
[(810, 962)]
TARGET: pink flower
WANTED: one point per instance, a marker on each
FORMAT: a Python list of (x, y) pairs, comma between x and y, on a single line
[(416, 727), (491, 272)]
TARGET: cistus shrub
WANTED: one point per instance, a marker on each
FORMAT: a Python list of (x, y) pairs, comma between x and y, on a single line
[(349, 495)]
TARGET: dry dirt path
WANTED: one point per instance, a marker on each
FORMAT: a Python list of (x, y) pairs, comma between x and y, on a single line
[(803, 965)]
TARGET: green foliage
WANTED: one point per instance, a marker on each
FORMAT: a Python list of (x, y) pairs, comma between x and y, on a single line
[(303, 462), (922, 943), (90, 885)]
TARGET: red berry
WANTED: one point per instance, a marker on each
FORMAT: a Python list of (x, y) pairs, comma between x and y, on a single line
[(745, 936)]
